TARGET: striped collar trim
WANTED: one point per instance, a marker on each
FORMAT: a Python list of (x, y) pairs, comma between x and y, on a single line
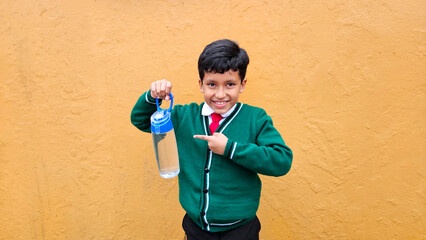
[(225, 123), (231, 117)]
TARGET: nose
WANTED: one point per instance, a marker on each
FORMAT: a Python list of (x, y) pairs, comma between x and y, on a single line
[(220, 93)]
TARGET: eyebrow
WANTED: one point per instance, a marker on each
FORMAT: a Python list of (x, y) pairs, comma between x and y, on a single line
[(227, 80)]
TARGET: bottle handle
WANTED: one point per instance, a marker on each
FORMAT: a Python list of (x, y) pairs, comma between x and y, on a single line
[(171, 103)]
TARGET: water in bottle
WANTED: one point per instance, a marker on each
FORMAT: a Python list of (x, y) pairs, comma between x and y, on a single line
[(164, 140)]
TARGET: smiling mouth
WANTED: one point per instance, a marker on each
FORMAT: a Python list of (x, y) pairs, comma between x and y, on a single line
[(220, 104)]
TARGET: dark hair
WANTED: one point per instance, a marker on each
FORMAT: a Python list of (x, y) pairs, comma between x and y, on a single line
[(221, 56)]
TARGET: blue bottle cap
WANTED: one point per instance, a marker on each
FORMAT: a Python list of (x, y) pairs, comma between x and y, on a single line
[(161, 121)]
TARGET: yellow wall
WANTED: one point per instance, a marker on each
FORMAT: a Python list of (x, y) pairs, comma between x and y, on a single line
[(344, 82)]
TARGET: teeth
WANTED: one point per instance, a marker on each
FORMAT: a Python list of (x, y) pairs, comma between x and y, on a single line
[(220, 103)]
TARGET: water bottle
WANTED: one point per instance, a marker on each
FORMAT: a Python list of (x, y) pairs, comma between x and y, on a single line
[(163, 137)]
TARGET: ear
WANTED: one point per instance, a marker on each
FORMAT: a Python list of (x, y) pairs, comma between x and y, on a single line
[(243, 85), (201, 85)]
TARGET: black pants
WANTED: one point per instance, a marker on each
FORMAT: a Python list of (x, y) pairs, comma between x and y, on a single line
[(248, 231)]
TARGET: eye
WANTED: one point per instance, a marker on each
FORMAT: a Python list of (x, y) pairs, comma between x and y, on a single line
[(211, 84), (230, 84)]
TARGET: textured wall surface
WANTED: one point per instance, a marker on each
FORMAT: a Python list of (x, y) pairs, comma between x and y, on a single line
[(344, 82)]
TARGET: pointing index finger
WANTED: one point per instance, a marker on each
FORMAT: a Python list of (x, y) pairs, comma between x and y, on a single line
[(202, 137)]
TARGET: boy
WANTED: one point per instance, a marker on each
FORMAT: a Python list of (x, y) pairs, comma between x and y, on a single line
[(222, 145)]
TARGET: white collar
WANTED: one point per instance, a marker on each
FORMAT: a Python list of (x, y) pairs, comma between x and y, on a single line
[(207, 110)]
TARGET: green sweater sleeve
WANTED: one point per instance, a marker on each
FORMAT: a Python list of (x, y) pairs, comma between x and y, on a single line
[(268, 156), (142, 111)]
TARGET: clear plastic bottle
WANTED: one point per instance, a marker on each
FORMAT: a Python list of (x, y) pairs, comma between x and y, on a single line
[(164, 140)]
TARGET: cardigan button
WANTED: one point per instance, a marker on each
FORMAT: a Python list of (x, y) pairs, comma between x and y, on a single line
[(206, 170), (205, 191), (203, 214)]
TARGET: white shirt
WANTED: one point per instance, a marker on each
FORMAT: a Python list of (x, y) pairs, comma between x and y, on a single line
[(207, 111)]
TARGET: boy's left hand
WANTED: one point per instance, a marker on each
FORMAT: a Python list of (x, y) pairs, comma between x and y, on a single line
[(217, 142)]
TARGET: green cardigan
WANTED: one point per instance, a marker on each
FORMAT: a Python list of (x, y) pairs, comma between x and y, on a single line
[(221, 192)]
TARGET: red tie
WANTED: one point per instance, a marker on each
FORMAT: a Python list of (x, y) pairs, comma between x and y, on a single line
[(215, 122)]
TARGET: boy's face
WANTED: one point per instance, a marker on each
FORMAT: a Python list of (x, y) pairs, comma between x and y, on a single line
[(221, 90)]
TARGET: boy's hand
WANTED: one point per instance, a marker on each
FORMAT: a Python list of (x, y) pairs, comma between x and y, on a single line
[(160, 89), (217, 142)]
